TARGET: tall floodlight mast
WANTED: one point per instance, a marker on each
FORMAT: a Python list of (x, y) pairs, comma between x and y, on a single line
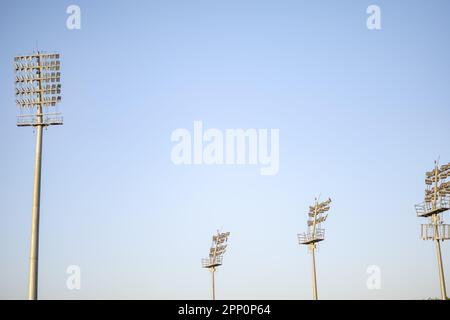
[(38, 92), (215, 258), (437, 201), (315, 234)]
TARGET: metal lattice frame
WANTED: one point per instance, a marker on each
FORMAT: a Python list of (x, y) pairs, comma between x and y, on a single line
[(427, 209), (308, 238), (430, 231), (38, 89)]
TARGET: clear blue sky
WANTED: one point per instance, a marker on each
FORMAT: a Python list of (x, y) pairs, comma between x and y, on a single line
[(354, 107)]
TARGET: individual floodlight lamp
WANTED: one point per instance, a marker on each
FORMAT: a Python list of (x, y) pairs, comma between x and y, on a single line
[(315, 234), (38, 89), (215, 257), (437, 201)]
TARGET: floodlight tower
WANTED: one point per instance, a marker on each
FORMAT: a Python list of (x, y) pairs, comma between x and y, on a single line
[(437, 201), (315, 234), (38, 92), (216, 253)]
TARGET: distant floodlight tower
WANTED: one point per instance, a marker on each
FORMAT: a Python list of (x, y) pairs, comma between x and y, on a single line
[(437, 201), (315, 234), (38, 92), (216, 253)]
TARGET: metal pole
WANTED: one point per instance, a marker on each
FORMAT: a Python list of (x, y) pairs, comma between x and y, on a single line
[(213, 271), (313, 255), (441, 270), (314, 273), (439, 257), (34, 244)]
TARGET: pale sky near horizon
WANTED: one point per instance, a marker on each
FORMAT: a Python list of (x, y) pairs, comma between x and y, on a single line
[(362, 115)]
